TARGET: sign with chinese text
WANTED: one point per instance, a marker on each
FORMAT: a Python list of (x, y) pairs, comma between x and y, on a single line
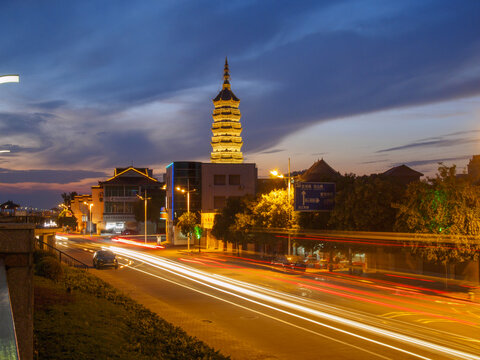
[(314, 196), (207, 220)]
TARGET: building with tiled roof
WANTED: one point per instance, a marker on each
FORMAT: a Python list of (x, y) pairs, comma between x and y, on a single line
[(319, 171), (403, 174)]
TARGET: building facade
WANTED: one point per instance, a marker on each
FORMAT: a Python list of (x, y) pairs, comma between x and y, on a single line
[(207, 186), (111, 204)]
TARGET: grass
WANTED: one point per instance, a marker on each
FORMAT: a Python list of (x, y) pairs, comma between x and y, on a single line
[(82, 317)]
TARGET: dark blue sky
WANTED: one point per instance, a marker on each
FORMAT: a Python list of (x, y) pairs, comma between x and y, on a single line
[(106, 84)]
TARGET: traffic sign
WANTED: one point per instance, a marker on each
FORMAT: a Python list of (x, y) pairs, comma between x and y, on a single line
[(314, 196)]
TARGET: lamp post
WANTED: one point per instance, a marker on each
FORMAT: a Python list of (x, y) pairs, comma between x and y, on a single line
[(145, 198), (90, 217), (9, 79), (187, 192), (275, 173)]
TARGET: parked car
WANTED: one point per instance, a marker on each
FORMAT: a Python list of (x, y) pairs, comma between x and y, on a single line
[(289, 263), (104, 258), (129, 232)]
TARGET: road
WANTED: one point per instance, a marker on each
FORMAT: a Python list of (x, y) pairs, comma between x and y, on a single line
[(249, 311)]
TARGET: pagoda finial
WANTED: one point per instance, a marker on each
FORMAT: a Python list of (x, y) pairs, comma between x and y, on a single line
[(226, 74)]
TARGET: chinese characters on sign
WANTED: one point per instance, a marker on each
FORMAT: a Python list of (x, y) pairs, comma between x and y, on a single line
[(314, 196)]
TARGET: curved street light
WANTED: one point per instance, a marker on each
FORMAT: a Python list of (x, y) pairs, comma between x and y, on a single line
[(276, 174), (9, 79), (145, 199), (187, 192), (90, 206)]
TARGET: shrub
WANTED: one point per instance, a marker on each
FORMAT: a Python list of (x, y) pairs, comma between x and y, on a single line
[(40, 254), (50, 268)]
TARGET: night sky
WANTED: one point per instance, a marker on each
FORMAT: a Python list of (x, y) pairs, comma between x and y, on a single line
[(366, 85)]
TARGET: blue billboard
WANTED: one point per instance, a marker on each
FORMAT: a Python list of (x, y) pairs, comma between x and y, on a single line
[(314, 196)]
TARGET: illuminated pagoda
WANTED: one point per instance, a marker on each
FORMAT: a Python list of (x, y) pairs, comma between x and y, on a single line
[(226, 127)]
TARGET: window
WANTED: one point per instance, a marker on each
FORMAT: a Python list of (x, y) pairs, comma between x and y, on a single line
[(219, 180), (114, 207), (218, 202), (131, 190), (113, 191), (234, 179)]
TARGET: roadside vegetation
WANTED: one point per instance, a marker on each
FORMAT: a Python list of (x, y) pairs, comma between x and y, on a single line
[(79, 316), (447, 206)]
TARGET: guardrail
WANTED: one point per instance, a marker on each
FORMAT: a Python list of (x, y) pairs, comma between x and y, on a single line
[(63, 256), (8, 338)]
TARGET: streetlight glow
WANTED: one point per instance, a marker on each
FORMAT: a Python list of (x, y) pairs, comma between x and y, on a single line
[(4, 151), (90, 207), (9, 79)]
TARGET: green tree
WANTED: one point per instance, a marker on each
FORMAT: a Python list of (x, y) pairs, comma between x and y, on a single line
[(365, 204), (447, 207), (273, 210), (187, 222), (223, 225)]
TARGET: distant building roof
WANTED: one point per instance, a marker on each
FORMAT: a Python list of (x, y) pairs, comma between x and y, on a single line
[(319, 171), (9, 205), (131, 176), (402, 171)]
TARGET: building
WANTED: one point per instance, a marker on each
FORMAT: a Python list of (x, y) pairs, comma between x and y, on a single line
[(226, 128), (207, 186), (79, 206), (402, 174), (111, 204), (318, 172), (474, 168)]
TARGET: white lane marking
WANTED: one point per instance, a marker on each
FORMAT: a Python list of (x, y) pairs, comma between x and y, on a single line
[(259, 312), (188, 272)]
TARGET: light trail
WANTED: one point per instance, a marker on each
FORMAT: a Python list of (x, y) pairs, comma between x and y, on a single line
[(221, 284), (260, 313)]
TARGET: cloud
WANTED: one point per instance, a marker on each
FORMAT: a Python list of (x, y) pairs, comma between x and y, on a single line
[(105, 84), (272, 151), (8, 176), (433, 143), (432, 161)]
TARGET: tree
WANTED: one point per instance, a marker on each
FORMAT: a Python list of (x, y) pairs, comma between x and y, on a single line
[(365, 204), (224, 222), (187, 222), (68, 197), (273, 210), (447, 207)]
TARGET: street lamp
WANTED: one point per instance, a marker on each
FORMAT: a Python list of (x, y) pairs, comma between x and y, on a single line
[(145, 198), (276, 174), (9, 79), (188, 191), (90, 207)]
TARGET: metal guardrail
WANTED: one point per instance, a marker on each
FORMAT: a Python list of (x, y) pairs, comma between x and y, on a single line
[(372, 235), (8, 338), (64, 257)]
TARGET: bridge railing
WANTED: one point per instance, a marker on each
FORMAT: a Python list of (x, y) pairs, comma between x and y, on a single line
[(63, 256)]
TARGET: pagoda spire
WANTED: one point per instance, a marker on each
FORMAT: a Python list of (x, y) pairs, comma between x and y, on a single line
[(226, 128), (226, 75)]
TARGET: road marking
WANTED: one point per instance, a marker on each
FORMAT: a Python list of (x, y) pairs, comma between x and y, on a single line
[(262, 313), (201, 277)]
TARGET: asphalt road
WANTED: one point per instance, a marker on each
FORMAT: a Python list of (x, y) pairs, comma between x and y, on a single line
[(250, 311)]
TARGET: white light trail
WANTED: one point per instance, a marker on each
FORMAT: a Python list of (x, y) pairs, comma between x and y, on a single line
[(203, 278)]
